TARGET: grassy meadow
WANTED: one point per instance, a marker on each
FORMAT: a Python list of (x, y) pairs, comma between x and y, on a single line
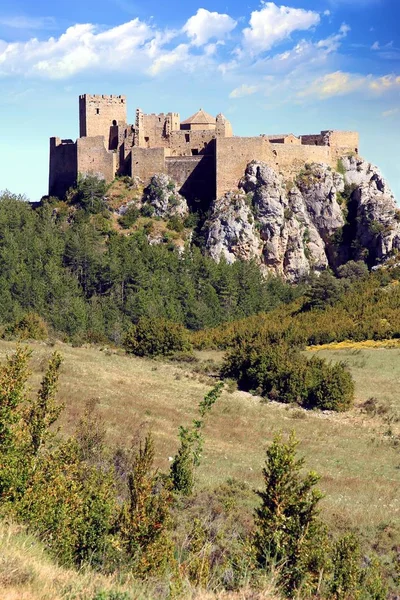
[(356, 453)]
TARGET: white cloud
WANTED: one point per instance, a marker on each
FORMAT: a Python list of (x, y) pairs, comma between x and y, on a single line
[(391, 112), (206, 25), (80, 48), (243, 90), (341, 84), (273, 23), (169, 59), (333, 42), (375, 46)]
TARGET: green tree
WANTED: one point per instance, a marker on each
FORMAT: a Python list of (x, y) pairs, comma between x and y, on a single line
[(90, 193), (145, 518), (289, 533), (191, 444)]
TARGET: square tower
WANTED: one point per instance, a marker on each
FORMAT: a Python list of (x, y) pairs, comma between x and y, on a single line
[(98, 113)]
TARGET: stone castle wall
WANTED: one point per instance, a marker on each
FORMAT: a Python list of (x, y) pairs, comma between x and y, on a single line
[(289, 160), (232, 157), (63, 168), (204, 157), (98, 113), (94, 159), (195, 176), (145, 162)]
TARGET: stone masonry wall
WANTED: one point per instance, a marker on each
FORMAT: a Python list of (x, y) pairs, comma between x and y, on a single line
[(185, 143), (344, 139), (98, 113), (63, 169), (289, 160), (94, 159), (232, 157), (146, 162), (194, 174)]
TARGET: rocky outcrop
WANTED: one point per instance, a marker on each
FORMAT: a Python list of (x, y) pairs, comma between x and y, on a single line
[(163, 195), (231, 229), (320, 220), (377, 216)]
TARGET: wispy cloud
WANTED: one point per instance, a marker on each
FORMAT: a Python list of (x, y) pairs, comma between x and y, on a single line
[(341, 84), (27, 23), (391, 112), (243, 90)]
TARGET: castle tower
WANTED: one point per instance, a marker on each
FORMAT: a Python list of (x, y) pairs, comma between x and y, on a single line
[(223, 126), (98, 113)]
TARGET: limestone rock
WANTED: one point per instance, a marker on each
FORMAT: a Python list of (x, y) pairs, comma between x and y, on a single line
[(292, 244), (290, 227), (163, 195), (231, 232), (377, 214)]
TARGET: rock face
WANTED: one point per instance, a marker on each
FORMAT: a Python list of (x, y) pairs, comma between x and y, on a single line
[(162, 194), (231, 229), (320, 220), (377, 214)]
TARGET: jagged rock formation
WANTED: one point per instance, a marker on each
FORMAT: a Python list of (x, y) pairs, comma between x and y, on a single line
[(320, 220), (231, 229), (377, 214), (163, 195)]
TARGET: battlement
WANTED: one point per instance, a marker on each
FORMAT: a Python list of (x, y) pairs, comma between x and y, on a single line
[(98, 97)]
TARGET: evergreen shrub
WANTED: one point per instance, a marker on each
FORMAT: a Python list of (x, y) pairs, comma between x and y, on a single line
[(280, 372), (155, 337)]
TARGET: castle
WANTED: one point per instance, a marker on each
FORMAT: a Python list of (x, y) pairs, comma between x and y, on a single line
[(201, 153)]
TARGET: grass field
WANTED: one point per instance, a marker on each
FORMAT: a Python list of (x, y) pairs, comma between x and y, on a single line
[(356, 453)]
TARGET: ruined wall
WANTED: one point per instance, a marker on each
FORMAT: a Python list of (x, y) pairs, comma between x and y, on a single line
[(155, 131), (98, 113), (223, 126), (63, 169), (344, 139), (285, 139), (232, 157), (316, 139), (94, 159), (188, 143), (145, 162), (289, 160), (347, 140), (195, 175)]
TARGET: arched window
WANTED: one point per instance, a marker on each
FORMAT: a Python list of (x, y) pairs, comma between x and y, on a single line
[(115, 123)]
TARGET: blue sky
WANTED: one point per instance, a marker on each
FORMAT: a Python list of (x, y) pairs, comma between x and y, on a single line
[(301, 66)]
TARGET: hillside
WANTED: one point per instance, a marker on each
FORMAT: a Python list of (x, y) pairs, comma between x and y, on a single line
[(134, 395)]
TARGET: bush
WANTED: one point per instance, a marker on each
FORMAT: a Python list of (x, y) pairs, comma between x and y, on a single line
[(153, 337), (333, 387), (145, 518), (130, 217), (71, 506), (279, 372), (29, 327), (147, 210)]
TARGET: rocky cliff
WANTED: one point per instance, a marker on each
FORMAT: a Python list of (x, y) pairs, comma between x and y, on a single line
[(321, 219)]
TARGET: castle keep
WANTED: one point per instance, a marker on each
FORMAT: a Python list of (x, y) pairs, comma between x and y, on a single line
[(201, 153)]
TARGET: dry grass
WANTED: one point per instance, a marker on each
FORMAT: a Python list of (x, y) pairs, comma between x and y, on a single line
[(27, 573), (357, 458)]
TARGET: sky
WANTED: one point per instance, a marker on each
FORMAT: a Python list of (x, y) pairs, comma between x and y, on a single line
[(301, 67)]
